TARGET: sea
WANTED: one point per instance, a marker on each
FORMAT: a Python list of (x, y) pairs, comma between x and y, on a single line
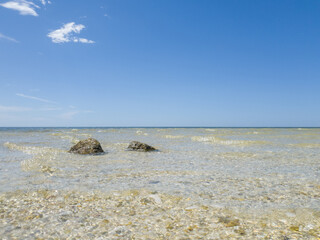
[(202, 183)]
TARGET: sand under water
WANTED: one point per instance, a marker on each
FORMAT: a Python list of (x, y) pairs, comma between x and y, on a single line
[(204, 183)]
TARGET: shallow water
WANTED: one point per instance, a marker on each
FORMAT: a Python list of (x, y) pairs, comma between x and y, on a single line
[(258, 176)]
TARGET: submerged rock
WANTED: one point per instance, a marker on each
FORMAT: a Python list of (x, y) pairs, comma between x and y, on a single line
[(142, 147), (87, 146)]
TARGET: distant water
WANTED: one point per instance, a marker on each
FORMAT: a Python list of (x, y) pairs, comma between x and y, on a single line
[(238, 168)]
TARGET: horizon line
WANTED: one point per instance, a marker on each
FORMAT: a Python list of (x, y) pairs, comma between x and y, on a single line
[(158, 127)]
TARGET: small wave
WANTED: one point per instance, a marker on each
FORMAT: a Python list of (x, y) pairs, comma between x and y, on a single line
[(217, 140), (56, 134), (110, 130), (103, 131), (237, 155), (85, 135), (211, 130), (141, 133), (72, 139), (29, 149), (173, 137), (163, 130), (303, 129), (40, 163), (41, 160), (306, 145)]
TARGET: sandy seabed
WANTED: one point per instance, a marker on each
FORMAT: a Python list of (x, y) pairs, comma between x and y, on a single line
[(141, 214), (202, 184)]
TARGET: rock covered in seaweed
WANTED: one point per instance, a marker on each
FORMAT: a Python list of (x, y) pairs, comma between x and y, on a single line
[(87, 146), (142, 147)]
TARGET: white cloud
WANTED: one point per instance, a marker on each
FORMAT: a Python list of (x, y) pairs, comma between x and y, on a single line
[(22, 6), (34, 98), (44, 2), (8, 38), (83, 40), (65, 34)]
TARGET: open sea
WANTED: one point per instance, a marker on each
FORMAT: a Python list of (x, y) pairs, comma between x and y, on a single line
[(203, 183)]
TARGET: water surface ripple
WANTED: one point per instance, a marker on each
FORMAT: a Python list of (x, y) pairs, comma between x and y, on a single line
[(274, 171)]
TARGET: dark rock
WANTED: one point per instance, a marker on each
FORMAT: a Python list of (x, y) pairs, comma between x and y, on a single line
[(138, 146), (88, 146), (154, 182)]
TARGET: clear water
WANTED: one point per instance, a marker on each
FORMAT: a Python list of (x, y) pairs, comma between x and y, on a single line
[(221, 167)]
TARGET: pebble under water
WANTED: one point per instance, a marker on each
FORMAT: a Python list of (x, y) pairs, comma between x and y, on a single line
[(203, 183)]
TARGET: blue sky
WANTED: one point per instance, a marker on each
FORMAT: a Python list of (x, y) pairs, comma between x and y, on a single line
[(160, 63)]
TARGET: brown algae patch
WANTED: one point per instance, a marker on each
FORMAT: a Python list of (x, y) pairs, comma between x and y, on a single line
[(141, 214)]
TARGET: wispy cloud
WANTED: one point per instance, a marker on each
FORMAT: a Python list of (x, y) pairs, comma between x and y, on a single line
[(44, 2), (50, 109), (2, 36), (22, 6), (35, 98), (26, 109), (69, 115), (34, 90), (4, 108), (13, 109), (66, 34), (83, 40)]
